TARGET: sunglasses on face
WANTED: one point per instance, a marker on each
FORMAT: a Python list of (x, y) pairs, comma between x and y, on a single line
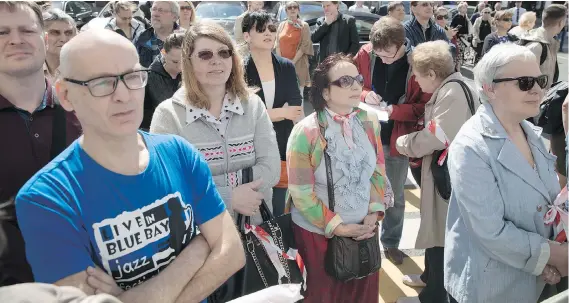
[(348, 81), (208, 55), (506, 20), (291, 7), (186, 8), (526, 83), (272, 28), (441, 17)]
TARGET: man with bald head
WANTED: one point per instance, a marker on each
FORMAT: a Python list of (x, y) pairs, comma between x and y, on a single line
[(33, 127), (122, 211)]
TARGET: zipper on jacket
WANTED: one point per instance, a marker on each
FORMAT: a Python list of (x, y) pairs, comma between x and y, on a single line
[(226, 168)]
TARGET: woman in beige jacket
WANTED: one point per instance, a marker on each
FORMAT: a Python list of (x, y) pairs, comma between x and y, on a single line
[(294, 43), (448, 109)]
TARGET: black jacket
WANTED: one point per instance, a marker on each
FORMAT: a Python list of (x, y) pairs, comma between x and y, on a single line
[(348, 39), (149, 46), (160, 87), (286, 91)]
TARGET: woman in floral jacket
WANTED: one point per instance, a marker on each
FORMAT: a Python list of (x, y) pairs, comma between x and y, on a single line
[(362, 192)]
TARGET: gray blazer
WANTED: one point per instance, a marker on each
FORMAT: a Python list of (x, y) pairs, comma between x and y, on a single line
[(496, 241)]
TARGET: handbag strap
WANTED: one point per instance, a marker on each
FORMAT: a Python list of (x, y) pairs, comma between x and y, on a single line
[(468, 93), (58, 131), (330, 180)]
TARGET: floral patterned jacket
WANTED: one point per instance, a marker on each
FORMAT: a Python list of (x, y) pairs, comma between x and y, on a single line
[(303, 155)]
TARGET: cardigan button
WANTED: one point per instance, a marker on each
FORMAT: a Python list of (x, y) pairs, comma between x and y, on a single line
[(539, 208)]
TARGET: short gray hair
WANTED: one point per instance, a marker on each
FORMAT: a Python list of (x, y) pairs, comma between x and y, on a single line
[(57, 15), (174, 7), (494, 61)]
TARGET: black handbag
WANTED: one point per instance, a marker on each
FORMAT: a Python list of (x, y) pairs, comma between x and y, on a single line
[(259, 271), (440, 173), (347, 259)]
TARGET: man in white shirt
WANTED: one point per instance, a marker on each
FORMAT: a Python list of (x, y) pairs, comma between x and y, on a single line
[(517, 12), (359, 7)]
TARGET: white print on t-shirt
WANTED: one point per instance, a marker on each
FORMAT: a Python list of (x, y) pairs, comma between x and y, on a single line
[(134, 246)]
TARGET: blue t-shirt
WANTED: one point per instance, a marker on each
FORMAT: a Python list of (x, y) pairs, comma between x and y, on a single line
[(74, 213)]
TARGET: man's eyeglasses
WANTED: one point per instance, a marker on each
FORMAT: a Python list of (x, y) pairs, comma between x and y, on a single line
[(388, 57), (348, 81), (526, 83), (159, 10), (186, 8), (441, 17), (208, 55), (107, 85)]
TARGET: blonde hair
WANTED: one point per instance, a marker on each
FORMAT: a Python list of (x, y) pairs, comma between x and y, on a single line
[(123, 5), (193, 17), (527, 20), (435, 56), (235, 85)]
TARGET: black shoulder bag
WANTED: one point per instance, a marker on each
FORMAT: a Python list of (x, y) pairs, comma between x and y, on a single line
[(259, 271), (347, 259), (440, 172)]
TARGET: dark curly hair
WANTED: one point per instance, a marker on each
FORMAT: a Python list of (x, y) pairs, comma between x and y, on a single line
[(257, 20), (321, 80)]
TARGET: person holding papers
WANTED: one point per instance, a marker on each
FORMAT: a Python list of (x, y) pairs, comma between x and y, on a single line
[(384, 65)]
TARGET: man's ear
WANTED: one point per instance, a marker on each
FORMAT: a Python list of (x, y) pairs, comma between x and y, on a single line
[(62, 93)]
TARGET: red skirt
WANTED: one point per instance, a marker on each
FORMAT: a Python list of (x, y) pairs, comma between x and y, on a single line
[(321, 288)]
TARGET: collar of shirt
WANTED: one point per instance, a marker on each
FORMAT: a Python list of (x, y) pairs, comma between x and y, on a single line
[(47, 99), (193, 113), (113, 24)]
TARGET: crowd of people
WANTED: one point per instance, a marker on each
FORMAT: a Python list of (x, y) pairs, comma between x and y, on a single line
[(129, 151)]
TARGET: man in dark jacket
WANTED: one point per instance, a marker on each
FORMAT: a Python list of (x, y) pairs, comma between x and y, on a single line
[(165, 78), (387, 79), (34, 128), (421, 27), (163, 21), (336, 33)]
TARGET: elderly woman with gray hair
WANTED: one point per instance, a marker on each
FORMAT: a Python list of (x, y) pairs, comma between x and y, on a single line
[(498, 247), (445, 112)]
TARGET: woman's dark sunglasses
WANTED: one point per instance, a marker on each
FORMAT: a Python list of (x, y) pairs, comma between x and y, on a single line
[(292, 7), (441, 17), (207, 54), (186, 8), (526, 83), (348, 81), (272, 28)]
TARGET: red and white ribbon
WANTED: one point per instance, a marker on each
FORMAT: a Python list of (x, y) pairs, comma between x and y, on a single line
[(438, 132), (273, 249), (557, 214)]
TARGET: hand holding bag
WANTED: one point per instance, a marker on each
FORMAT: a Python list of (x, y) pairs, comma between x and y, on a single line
[(270, 252), (347, 259)]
